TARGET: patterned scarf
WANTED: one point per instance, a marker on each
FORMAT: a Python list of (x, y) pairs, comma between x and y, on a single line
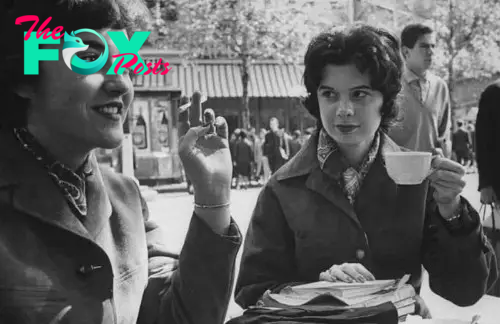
[(352, 178), (72, 184)]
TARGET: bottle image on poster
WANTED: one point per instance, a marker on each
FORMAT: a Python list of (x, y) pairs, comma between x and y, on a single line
[(163, 131), (139, 135)]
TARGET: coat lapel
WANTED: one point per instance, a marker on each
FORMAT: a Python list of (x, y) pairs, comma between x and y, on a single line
[(329, 188), (326, 184), (378, 178), (35, 193), (98, 202)]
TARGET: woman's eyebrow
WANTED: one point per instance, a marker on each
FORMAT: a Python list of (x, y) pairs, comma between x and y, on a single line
[(360, 87)]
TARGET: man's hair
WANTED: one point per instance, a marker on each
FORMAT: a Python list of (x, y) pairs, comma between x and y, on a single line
[(459, 123), (411, 34), (71, 15)]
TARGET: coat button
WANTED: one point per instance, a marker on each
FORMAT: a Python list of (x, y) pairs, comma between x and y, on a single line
[(360, 254)]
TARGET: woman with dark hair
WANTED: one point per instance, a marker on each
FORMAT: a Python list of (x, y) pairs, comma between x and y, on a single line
[(76, 242), (333, 212)]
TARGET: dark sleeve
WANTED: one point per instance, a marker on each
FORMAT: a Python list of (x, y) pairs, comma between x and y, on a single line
[(252, 154), (266, 147), (268, 254), (459, 259), (195, 286), (485, 141), (236, 151)]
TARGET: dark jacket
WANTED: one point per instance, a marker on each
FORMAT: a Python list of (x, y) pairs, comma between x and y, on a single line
[(488, 138), (461, 141), (110, 268), (271, 148), (243, 152), (303, 224), (295, 145)]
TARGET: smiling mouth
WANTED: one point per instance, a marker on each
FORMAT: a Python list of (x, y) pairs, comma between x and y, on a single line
[(347, 129), (112, 110)]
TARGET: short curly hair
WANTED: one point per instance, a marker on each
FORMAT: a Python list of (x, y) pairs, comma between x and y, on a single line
[(72, 15), (372, 50)]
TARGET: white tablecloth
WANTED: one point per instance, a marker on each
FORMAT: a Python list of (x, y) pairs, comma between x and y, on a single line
[(488, 307)]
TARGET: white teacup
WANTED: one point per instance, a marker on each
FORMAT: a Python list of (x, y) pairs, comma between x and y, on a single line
[(408, 168)]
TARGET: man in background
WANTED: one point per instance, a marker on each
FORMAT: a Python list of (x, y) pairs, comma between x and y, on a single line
[(426, 111), (275, 146), (295, 143), (461, 144)]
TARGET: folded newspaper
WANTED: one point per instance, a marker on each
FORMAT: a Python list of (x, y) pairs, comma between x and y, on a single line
[(351, 295)]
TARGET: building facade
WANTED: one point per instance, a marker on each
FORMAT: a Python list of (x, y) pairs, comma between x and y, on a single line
[(154, 112)]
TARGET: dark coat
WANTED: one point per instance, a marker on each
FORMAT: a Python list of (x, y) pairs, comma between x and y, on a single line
[(244, 152), (110, 268), (303, 224), (488, 138), (271, 148), (461, 141)]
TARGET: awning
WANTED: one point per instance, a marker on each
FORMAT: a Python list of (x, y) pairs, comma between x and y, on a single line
[(222, 79)]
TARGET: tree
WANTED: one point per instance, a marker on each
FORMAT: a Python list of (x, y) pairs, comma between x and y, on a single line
[(163, 10), (467, 40), (243, 30)]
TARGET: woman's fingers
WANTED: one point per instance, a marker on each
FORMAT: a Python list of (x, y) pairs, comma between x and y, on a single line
[(338, 274), (351, 272), (367, 274)]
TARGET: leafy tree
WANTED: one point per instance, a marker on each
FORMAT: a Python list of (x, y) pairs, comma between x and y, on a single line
[(243, 30), (467, 39)]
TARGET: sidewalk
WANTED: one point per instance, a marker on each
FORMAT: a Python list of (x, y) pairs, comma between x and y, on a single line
[(470, 191)]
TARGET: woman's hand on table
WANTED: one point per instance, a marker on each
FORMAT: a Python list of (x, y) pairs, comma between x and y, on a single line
[(347, 272)]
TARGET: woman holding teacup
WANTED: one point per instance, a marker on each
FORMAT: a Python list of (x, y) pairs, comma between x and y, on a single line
[(334, 213)]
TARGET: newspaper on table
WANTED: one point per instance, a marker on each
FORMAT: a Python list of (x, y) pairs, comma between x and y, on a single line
[(352, 295)]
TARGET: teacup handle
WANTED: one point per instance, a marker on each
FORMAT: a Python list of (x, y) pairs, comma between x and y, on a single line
[(437, 153)]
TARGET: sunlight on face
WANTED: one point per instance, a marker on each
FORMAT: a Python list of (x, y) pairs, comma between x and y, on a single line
[(71, 105)]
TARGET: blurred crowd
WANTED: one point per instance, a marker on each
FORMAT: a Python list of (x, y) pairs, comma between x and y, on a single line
[(256, 155), (464, 145)]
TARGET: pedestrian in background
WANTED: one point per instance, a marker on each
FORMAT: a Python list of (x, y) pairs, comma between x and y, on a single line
[(425, 120), (488, 144), (263, 167), (461, 144), (295, 143), (244, 158), (488, 164), (275, 146)]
